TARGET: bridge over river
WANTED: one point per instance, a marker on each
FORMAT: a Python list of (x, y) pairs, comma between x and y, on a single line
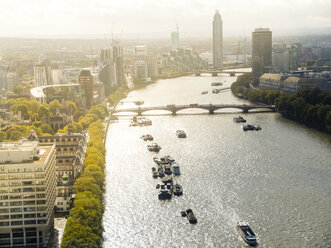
[(211, 108)]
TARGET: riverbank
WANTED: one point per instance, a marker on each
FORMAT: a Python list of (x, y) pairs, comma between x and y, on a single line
[(309, 106)]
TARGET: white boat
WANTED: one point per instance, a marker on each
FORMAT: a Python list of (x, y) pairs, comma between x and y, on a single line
[(246, 233)]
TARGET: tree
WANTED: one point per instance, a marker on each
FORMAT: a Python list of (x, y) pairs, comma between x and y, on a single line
[(84, 184), (3, 136), (23, 108), (55, 104), (43, 112), (71, 107), (15, 135), (46, 128), (96, 172)]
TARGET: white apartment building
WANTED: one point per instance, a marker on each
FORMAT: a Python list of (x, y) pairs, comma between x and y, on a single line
[(27, 194)]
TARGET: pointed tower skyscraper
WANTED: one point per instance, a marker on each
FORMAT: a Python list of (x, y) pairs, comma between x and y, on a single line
[(217, 41)]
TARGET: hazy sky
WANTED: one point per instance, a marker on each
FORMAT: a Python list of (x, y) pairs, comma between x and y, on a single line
[(139, 17)]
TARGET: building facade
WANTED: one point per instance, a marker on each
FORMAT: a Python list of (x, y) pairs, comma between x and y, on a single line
[(217, 41), (27, 194), (261, 53), (70, 155)]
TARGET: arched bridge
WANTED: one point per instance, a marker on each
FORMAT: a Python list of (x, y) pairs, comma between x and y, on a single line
[(211, 108)]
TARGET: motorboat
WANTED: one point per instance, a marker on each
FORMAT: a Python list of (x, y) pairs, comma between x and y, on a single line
[(247, 127), (181, 134), (216, 91), (167, 169), (154, 172), (177, 189), (204, 92), (246, 233), (190, 216), (147, 137), (169, 159), (239, 119), (165, 194), (175, 169), (154, 147)]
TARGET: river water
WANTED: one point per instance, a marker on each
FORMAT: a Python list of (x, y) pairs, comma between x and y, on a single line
[(277, 179)]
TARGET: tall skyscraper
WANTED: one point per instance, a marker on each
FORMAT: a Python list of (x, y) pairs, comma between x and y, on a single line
[(27, 194), (217, 41), (261, 53), (86, 80), (174, 41)]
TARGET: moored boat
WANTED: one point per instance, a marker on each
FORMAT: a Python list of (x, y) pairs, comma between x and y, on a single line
[(181, 134), (175, 169), (154, 147), (204, 92), (177, 189), (165, 194), (246, 233)]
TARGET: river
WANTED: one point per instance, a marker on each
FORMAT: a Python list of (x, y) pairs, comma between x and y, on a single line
[(277, 179)]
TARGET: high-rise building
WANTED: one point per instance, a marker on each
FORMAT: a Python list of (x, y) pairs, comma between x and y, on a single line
[(27, 194), (118, 60), (261, 53), (140, 69), (174, 41), (42, 75), (86, 80), (217, 41), (293, 58), (280, 61)]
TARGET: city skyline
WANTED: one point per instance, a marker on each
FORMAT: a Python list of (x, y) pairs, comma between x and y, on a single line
[(157, 19)]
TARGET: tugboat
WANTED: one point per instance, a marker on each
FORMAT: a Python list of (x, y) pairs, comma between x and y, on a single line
[(177, 189), (175, 169), (239, 119), (154, 147), (169, 159), (246, 233), (190, 216), (181, 134)]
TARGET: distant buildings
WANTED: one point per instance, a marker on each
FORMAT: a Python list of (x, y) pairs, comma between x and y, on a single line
[(86, 80), (286, 58), (27, 194), (217, 41), (42, 75), (111, 73), (140, 56), (261, 53), (174, 41)]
